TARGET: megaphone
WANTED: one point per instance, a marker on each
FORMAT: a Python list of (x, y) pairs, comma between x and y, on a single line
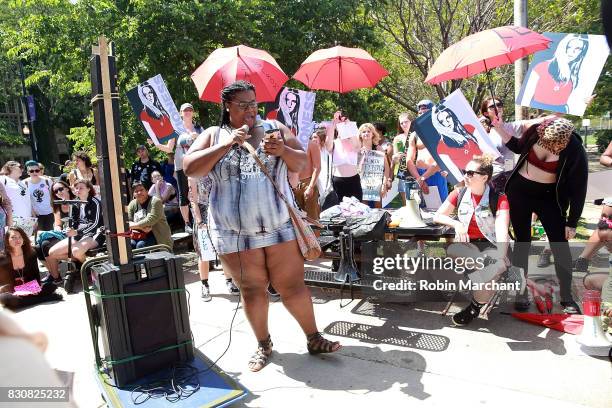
[(592, 339), (411, 213)]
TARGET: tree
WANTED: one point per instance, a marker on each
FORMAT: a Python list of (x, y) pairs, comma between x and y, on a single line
[(416, 32)]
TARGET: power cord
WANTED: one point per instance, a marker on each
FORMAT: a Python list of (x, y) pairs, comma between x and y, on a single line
[(174, 388)]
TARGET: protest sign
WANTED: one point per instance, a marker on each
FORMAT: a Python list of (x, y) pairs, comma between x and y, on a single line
[(372, 174), (154, 107), (562, 77), (453, 135), (294, 109)]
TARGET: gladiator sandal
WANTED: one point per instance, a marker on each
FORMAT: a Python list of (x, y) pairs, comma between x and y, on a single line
[(260, 358), (317, 344)]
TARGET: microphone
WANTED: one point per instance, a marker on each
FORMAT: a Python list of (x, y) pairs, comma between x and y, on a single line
[(246, 129)]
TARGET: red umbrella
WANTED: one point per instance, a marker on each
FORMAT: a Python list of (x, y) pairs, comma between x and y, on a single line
[(566, 323), (485, 50), (226, 65), (340, 69)]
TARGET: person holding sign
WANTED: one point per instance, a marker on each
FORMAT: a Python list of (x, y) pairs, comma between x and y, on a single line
[(344, 150), (373, 166), (184, 142)]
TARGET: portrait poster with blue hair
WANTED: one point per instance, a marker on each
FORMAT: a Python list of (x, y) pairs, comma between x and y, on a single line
[(453, 135), (155, 109), (562, 77), (294, 108)]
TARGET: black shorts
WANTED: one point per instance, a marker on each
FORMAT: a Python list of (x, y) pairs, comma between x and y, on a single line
[(183, 188)]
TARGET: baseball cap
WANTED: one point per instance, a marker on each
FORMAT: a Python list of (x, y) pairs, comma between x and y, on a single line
[(32, 163), (141, 147), (186, 106), (425, 102)]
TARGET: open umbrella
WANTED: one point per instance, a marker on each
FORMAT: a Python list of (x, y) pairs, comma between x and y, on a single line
[(566, 323), (340, 69), (483, 51), (226, 65)]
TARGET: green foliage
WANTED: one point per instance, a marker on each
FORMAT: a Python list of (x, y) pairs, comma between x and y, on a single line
[(603, 139), (173, 37)]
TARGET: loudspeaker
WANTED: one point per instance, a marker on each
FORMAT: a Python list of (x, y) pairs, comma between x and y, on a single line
[(134, 328)]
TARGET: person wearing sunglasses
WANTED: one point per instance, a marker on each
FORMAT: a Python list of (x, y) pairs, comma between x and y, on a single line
[(61, 212), (85, 228), (39, 190), (249, 224), (492, 119), (550, 180), (481, 230)]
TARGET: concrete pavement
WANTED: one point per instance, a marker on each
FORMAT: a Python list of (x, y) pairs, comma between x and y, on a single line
[(392, 354)]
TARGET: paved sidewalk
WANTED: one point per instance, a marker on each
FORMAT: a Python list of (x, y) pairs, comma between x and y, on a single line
[(392, 354)]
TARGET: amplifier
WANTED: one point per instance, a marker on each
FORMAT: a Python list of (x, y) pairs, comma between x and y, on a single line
[(145, 333)]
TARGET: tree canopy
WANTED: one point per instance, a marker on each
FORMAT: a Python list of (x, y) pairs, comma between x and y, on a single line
[(53, 39)]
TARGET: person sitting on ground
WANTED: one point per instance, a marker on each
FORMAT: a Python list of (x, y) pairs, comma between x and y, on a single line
[(581, 264), (21, 267), (39, 190), (61, 213), (602, 281), (146, 216), (480, 232), (85, 230), (167, 194)]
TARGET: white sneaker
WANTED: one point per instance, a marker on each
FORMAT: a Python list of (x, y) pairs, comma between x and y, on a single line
[(188, 229), (232, 288), (206, 294)]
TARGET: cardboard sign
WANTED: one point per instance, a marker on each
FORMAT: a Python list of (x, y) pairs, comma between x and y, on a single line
[(453, 135), (372, 174), (294, 109), (155, 110), (562, 77)]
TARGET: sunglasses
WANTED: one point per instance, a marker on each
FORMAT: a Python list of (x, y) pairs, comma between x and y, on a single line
[(59, 190), (246, 105), (423, 107), (470, 173), (34, 171), (498, 104)]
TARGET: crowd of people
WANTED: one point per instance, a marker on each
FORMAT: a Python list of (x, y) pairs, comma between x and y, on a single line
[(232, 200)]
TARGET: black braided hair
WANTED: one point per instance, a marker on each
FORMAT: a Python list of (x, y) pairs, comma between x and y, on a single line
[(227, 94)]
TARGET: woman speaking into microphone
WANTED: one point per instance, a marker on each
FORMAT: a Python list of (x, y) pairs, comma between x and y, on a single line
[(249, 224)]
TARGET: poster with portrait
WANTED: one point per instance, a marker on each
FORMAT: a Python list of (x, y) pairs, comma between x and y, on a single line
[(155, 109), (453, 135), (372, 174), (562, 77), (294, 108)]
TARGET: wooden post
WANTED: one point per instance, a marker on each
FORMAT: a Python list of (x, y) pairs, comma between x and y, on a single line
[(520, 66), (111, 169)]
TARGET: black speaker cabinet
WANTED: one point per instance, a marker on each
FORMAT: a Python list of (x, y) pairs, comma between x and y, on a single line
[(141, 325)]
